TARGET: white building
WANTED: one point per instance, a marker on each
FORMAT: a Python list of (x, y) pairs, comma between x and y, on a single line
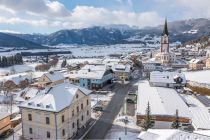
[(56, 113), (163, 103), (152, 65), (167, 79), (170, 134)]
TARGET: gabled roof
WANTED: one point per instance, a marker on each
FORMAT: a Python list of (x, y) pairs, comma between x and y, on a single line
[(92, 71), (165, 77), (55, 98), (54, 76), (163, 101)]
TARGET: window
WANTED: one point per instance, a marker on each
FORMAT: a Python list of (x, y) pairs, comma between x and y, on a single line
[(73, 113), (81, 106), (73, 125), (30, 130), (29, 117), (77, 109), (77, 96), (82, 118), (48, 134), (83, 85), (87, 102), (88, 112), (63, 132), (62, 118), (47, 120)]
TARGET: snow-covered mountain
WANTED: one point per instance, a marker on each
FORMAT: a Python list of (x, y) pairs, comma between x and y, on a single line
[(182, 31)]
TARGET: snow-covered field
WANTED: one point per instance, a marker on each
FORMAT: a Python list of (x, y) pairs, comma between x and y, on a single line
[(92, 51), (19, 68), (104, 50), (198, 76)]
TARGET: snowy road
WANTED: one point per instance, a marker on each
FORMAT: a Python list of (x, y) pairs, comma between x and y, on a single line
[(102, 126)]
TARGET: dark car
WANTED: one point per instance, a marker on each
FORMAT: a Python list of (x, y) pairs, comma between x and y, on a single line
[(130, 101), (98, 108)]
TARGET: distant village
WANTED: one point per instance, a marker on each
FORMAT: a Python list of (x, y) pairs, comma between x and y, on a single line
[(156, 94)]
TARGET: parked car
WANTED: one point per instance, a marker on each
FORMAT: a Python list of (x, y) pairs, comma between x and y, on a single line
[(98, 108), (130, 101)]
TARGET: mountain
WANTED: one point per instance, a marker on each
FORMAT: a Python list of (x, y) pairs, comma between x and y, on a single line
[(182, 31), (8, 40)]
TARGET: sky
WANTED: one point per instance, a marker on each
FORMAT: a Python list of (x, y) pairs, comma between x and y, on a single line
[(47, 16)]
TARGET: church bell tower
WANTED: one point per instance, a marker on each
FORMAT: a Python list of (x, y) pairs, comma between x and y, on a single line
[(165, 39)]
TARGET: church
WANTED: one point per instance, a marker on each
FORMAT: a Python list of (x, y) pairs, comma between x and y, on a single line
[(165, 56)]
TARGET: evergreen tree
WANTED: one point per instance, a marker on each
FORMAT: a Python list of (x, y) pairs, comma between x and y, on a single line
[(19, 58), (0, 62), (4, 61), (147, 122), (176, 122), (47, 59), (63, 63)]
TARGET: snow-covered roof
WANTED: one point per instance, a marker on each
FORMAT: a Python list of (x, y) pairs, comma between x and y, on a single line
[(92, 71), (54, 76), (121, 68), (16, 78), (4, 114), (152, 61), (200, 117), (31, 92), (163, 101), (170, 134), (195, 61), (56, 98), (166, 77), (203, 132)]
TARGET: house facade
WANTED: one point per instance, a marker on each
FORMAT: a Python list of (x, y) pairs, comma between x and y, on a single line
[(196, 64), (57, 114), (50, 79), (121, 71), (95, 76), (208, 63)]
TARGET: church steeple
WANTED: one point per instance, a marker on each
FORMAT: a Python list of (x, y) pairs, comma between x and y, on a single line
[(165, 29)]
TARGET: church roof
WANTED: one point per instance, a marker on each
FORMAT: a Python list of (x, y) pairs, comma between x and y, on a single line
[(165, 29)]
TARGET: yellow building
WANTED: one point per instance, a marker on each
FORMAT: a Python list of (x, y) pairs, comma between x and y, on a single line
[(208, 63), (56, 113), (50, 79), (196, 64)]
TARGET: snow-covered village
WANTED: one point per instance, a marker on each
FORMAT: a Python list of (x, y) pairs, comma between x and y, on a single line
[(69, 71)]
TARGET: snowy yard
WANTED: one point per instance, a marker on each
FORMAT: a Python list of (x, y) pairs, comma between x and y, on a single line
[(198, 76)]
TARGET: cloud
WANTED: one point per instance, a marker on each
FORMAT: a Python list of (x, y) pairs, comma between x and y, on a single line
[(36, 7), (9, 31), (85, 16), (17, 20), (90, 16)]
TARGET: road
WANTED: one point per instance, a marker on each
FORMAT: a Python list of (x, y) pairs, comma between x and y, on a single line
[(104, 123)]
